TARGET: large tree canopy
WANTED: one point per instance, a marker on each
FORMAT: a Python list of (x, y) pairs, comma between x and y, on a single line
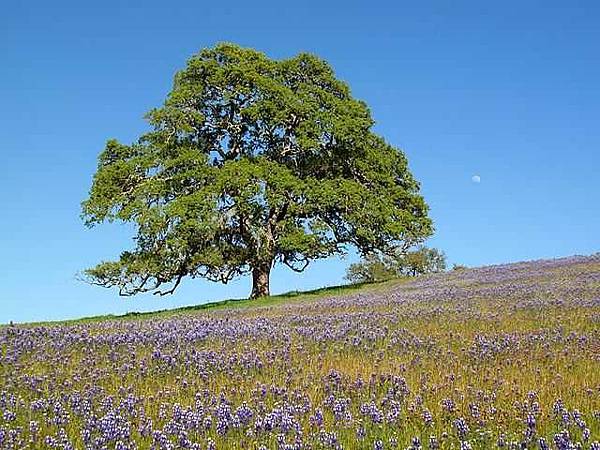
[(249, 162)]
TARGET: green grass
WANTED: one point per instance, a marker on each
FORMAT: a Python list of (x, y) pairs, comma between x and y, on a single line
[(235, 303)]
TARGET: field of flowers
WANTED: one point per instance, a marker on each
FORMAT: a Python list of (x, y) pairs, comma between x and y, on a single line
[(498, 357)]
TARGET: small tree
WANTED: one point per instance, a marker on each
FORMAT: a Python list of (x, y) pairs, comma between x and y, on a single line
[(370, 269), (420, 261), (379, 267), (250, 162)]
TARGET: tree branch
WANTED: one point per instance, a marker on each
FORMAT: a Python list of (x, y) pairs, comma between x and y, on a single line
[(170, 291), (305, 262)]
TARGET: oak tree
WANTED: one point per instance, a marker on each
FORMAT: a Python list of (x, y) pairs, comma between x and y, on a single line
[(250, 162)]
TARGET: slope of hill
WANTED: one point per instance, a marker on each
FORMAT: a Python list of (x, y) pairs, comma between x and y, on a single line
[(498, 357)]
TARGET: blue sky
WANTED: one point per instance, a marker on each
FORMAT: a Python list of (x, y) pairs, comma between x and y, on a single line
[(505, 90)]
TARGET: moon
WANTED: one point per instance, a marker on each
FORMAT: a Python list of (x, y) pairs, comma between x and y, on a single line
[(476, 179)]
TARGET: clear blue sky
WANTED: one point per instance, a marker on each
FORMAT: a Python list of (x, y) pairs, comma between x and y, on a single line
[(506, 90)]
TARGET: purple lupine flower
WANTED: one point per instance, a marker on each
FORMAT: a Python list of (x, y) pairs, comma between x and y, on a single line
[(434, 444), (427, 418), (360, 432), (501, 442), (448, 405), (461, 427), (415, 444), (585, 435)]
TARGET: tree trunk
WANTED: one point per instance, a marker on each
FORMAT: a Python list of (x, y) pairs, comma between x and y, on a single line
[(260, 280)]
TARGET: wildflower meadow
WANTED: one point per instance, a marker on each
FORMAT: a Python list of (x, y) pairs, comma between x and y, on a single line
[(501, 357)]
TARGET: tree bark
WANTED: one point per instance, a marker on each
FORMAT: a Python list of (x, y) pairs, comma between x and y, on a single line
[(260, 280)]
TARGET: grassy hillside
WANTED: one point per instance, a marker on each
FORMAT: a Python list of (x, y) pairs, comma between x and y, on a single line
[(235, 303), (496, 357)]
